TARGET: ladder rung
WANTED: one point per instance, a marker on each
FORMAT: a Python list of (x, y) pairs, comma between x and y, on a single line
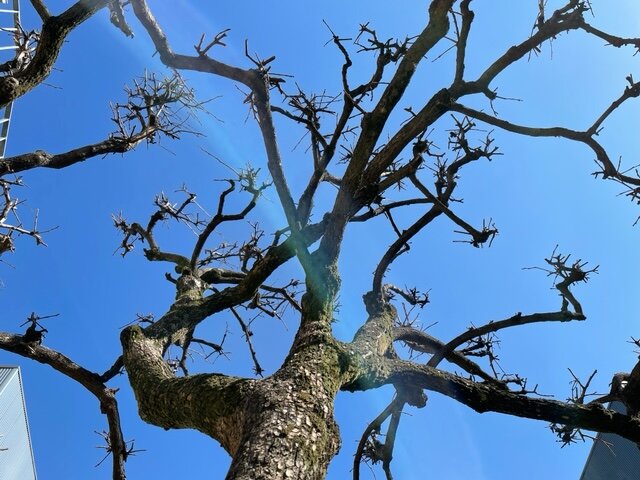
[(4, 10), (10, 47)]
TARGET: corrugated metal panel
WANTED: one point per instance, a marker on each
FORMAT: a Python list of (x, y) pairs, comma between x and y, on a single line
[(5, 374), (612, 457), (16, 458)]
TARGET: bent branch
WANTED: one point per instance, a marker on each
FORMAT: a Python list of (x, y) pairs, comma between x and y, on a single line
[(208, 403), (89, 380), (54, 32)]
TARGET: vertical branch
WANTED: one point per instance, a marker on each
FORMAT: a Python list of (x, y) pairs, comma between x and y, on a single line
[(390, 441), (374, 122), (41, 8), (461, 44), (274, 162), (398, 247), (372, 430)]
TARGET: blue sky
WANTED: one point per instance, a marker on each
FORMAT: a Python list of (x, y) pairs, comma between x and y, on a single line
[(540, 193)]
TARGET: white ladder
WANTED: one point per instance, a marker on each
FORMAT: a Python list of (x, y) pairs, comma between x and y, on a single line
[(12, 8)]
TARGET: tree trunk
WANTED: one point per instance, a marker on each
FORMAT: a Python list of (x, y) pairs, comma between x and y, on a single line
[(290, 431)]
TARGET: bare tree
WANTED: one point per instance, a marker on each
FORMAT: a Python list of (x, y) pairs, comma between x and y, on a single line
[(281, 424)]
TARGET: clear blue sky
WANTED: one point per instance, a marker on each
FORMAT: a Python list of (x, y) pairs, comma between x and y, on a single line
[(539, 192)]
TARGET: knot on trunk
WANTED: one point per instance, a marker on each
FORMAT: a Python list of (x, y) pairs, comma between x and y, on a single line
[(8, 90)]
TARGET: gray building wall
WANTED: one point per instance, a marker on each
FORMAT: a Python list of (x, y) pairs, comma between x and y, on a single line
[(612, 457), (16, 456)]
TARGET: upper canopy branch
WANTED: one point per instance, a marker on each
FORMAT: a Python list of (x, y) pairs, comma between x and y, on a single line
[(562, 20), (631, 91), (10, 222), (518, 319), (478, 237), (248, 181), (309, 109), (42, 9), (390, 51), (135, 231), (399, 246), (374, 122), (569, 17), (256, 79), (155, 107), (609, 170), (609, 38), (200, 63), (462, 33)]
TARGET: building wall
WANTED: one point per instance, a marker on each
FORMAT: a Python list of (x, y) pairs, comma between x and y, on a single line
[(16, 457), (612, 457)]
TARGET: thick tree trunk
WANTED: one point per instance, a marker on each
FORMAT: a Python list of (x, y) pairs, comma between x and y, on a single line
[(281, 427), (290, 431)]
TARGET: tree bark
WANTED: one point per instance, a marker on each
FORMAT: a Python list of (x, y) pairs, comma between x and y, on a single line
[(290, 431), (282, 427)]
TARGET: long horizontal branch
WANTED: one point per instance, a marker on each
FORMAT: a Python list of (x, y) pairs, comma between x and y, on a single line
[(90, 380), (521, 129), (484, 398), (516, 320), (42, 159), (608, 168)]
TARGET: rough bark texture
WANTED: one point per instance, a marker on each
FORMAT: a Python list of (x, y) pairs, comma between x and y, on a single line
[(289, 431), (211, 404), (280, 427)]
